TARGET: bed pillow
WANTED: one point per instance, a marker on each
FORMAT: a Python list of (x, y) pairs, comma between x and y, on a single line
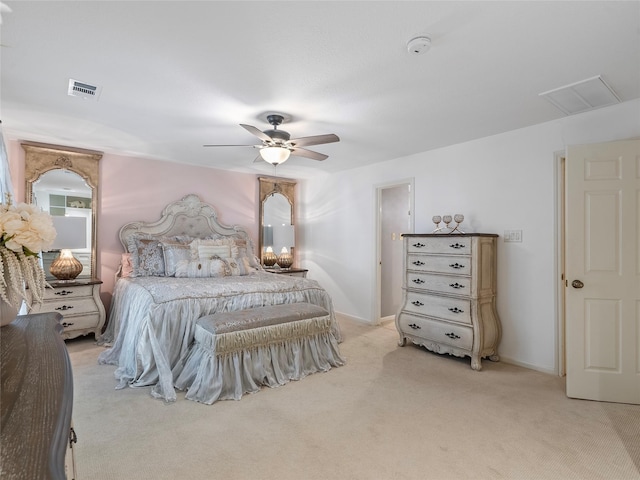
[(126, 265), (239, 266), (146, 256), (174, 253), (238, 248), (209, 251), (215, 267), (243, 251)]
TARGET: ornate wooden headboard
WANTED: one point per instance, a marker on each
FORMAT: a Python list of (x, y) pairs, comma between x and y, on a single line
[(188, 216)]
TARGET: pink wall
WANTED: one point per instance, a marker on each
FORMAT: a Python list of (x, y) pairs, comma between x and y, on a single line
[(133, 189)]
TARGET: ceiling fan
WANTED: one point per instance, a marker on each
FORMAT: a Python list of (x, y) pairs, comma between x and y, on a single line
[(277, 145)]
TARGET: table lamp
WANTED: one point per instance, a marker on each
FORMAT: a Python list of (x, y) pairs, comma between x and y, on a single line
[(284, 236)]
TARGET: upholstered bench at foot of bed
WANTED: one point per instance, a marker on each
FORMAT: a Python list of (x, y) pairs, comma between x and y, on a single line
[(239, 352)]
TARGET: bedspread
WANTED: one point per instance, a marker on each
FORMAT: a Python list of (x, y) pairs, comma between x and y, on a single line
[(152, 319)]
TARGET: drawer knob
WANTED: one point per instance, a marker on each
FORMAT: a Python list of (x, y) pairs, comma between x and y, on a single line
[(456, 285), (418, 281), (456, 265), (64, 292), (414, 326), (457, 245), (452, 335), (456, 310), (418, 263), (64, 307), (65, 324), (419, 245), (417, 303)]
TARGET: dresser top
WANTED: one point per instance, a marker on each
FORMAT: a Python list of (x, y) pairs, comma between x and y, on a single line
[(76, 282), (444, 235), (36, 399)]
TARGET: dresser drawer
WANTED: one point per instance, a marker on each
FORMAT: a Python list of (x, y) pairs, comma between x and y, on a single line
[(441, 245), (440, 283), (79, 306), (441, 332), (455, 309), (51, 294), (453, 265)]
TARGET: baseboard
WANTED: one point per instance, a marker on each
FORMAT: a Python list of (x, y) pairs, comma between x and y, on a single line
[(355, 319), (518, 363)]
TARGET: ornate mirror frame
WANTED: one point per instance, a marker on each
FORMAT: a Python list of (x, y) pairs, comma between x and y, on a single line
[(41, 158), (269, 186)]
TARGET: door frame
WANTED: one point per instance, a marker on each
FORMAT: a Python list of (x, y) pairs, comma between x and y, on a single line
[(377, 294), (559, 261)]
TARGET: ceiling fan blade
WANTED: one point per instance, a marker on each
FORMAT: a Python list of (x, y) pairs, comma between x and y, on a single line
[(313, 140), (258, 133), (254, 146), (302, 152)]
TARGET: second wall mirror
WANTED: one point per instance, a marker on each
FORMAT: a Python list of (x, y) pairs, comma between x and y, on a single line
[(277, 230)]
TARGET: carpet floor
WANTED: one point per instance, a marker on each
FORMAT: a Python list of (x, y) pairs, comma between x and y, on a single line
[(390, 413)]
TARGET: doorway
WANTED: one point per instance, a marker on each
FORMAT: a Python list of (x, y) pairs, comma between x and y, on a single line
[(395, 203)]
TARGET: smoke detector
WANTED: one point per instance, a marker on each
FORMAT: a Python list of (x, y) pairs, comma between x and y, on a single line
[(419, 45)]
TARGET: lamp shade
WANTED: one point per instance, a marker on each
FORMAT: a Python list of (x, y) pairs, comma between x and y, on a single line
[(71, 232), (275, 155)]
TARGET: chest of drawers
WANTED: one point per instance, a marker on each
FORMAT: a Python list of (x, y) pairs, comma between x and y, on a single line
[(449, 289), (80, 305)]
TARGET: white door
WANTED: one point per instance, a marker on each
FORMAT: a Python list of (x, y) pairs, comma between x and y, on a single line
[(602, 256)]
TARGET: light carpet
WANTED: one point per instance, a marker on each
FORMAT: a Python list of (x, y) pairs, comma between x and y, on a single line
[(390, 413)]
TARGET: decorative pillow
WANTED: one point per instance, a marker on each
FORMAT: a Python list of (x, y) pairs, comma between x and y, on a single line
[(216, 267), (208, 251), (239, 266), (126, 265), (238, 248), (146, 256), (243, 251), (174, 253)]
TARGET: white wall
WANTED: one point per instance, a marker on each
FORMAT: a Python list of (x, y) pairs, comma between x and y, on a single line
[(503, 182)]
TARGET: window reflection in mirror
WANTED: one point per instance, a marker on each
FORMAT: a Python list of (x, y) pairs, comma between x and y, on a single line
[(64, 193)]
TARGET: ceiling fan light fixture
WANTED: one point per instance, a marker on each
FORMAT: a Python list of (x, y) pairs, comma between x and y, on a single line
[(275, 155)]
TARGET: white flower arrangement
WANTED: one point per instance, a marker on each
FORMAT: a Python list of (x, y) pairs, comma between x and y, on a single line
[(25, 231)]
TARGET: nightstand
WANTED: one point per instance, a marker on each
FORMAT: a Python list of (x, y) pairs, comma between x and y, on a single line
[(292, 272), (79, 303)]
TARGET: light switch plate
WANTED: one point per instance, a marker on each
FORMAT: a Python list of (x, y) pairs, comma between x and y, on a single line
[(513, 235)]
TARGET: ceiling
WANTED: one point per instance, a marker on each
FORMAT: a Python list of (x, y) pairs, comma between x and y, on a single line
[(175, 75)]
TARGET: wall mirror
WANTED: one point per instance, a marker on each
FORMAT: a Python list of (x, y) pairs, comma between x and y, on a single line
[(64, 182), (277, 203)]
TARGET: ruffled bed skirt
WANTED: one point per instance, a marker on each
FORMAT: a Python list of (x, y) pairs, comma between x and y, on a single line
[(226, 366)]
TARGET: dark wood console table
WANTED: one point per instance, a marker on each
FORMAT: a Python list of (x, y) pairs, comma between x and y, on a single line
[(36, 400)]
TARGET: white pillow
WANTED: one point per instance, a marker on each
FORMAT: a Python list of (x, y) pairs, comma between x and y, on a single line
[(174, 253), (209, 251)]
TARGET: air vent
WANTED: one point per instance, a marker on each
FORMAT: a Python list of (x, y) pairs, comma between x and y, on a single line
[(581, 96), (83, 89)]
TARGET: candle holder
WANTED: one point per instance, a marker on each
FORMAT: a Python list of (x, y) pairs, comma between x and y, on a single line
[(447, 219)]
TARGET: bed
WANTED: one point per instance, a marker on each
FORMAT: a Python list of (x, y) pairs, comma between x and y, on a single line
[(154, 309)]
